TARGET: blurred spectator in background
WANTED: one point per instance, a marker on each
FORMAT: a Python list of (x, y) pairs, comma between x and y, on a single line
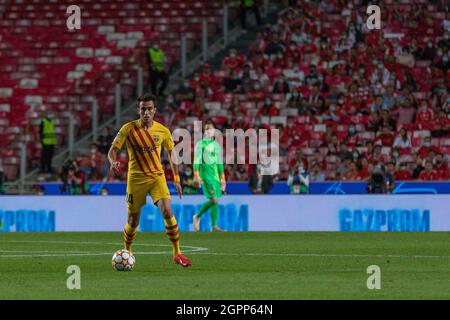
[(158, 73), (387, 121), (184, 92), (298, 36), (406, 58), (403, 174), (443, 63), (2, 178), (381, 74), (258, 45), (233, 61), (385, 138), (388, 98), (317, 158), (295, 76), (390, 176), (418, 167), (424, 116), (429, 174), (104, 191), (427, 147), (344, 152), (168, 112), (96, 160), (236, 107), (123, 159), (342, 166), (240, 172), (167, 170), (268, 109), (104, 140), (246, 6), (295, 101), (84, 165), (428, 51), (312, 78), (403, 141), (187, 181), (274, 47), (259, 183), (103, 168), (377, 183), (48, 140), (257, 93), (74, 181), (351, 172), (352, 134), (259, 77), (297, 159), (377, 156), (441, 167), (330, 116), (246, 78), (316, 174), (298, 180), (440, 125), (233, 82), (281, 85), (373, 122), (364, 170), (39, 190)]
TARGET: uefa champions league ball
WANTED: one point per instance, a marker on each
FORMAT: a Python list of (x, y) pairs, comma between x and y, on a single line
[(123, 260)]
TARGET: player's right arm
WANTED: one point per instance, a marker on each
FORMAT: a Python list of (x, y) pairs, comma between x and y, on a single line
[(114, 164), (197, 161), (115, 148)]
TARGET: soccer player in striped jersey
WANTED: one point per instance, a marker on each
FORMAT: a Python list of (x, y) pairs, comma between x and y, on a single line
[(144, 139)]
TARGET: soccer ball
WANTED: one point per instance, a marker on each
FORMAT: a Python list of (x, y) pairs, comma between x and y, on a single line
[(123, 260)]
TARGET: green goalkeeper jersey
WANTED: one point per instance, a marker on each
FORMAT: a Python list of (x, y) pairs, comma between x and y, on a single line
[(208, 160)]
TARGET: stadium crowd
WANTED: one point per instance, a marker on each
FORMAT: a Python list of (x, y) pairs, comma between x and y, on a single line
[(344, 97)]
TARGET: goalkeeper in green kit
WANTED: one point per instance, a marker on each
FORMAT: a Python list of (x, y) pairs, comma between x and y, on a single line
[(209, 173)]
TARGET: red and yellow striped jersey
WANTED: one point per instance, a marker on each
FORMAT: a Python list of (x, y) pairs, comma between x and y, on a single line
[(144, 147)]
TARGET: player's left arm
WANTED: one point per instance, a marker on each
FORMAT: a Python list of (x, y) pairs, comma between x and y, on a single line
[(220, 169), (174, 161)]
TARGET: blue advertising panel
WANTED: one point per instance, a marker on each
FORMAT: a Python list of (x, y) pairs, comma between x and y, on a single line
[(236, 213), (27, 220), (232, 217), (241, 188)]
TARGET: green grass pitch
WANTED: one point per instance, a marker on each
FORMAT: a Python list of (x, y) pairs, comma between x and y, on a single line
[(247, 265)]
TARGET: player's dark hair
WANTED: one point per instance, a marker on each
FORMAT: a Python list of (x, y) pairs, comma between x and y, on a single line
[(146, 97), (209, 121)]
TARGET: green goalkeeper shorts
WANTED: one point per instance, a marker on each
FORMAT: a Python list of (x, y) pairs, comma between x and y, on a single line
[(211, 189)]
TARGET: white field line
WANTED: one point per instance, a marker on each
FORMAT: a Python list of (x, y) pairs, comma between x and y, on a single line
[(50, 253), (192, 250), (324, 255)]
